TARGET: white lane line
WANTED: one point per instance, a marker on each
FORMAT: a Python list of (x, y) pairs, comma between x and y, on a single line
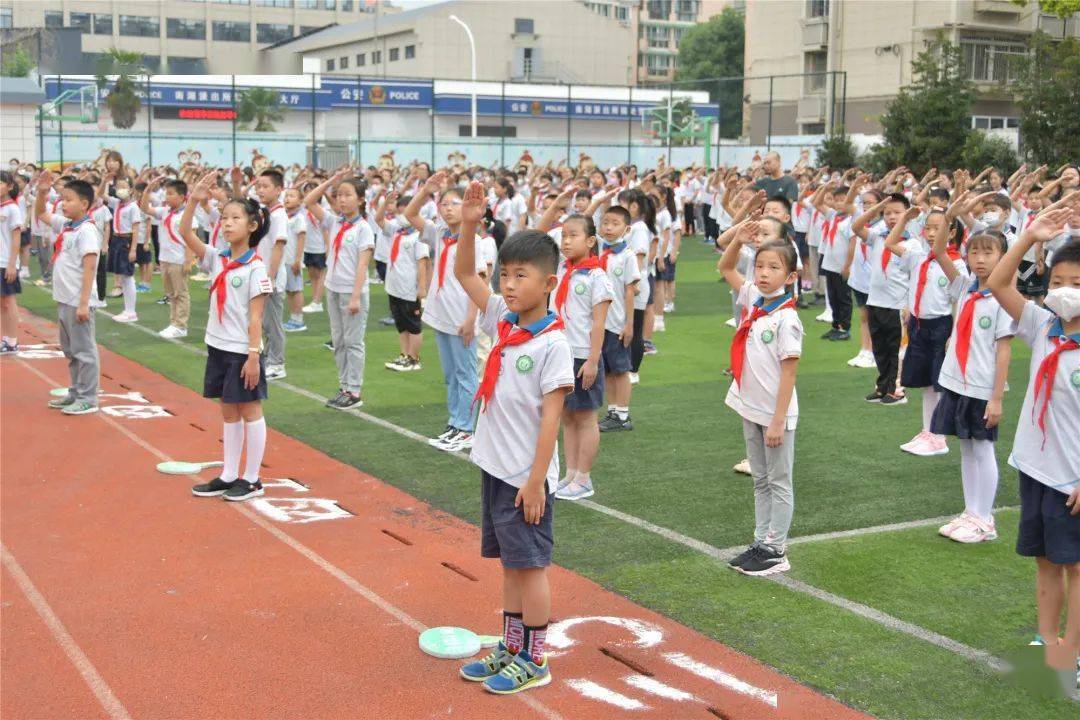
[(595, 691), (721, 554), (720, 677), (655, 687), (321, 562), (98, 686)]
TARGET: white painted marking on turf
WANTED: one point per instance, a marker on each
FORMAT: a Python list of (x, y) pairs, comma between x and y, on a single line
[(646, 635), (655, 687), (594, 691), (324, 564), (136, 412), (299, 511), (78, 658), (285, 483), (720, 677)]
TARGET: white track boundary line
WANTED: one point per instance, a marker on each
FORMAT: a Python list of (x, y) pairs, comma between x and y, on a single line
[(98, 686), (721, 554), (322, 563)]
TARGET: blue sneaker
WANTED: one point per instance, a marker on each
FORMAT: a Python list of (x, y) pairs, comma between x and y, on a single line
[(142, 288), (294, 326), (489, 666), (522, 674)]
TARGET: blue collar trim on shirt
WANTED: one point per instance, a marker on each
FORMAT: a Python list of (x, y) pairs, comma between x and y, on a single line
[(1058, 330), (615, 248), (73, 224), (351, 221), (537, 327), (245, 258), (975, 288), (760, 302)]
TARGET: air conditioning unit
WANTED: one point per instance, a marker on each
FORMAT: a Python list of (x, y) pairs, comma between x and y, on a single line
[(1054, 26), (810, 109), (815, 35), (998, 7)]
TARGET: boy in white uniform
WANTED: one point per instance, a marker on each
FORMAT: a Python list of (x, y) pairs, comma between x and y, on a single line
[(11, 223), (171, 253), (408, 271), (268, 189), (621, 264), (297, 233)]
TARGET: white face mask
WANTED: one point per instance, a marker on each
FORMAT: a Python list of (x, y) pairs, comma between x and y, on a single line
[(123, 193), (991, 219), (1064, 302)]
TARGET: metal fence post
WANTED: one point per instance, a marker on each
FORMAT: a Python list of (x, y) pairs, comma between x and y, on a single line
[(719, 118), (630, 125), (60, 117), (431, 113), (670, 118), (569, 107), (314, 147), (232, 97), (359, 129), (768, 133), (502, 125), (149, 123)]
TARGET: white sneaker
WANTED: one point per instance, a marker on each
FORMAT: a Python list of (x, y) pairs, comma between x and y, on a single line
[(947, 529), (743, 467), (730, 322), (669, 307), (915, 442), (634, 378), (24, 273), (929, 446), (169, 333), (565, 481), (313, 307), (658, 325), (825, 317), (863, 360), (974, 531), (576, 491), (275, 372), (126, 317), (460, 441)]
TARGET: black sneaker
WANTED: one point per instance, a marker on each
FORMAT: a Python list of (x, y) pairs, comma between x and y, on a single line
[(329, 344), (333, 402), (830, 335), (163, 301), (611, 423), (894, 400), (243, 490), (766, 561), (215, 487), (348, 401), (874, 397), (737, 561), (842, 335)]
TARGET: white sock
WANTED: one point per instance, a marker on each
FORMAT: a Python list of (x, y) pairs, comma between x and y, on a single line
[(256, 444), (611, 408), (127, 286), (969, 475), (828, 305), (232, 438), (930, 399), (986, 489), (622, 412), (571, 474)]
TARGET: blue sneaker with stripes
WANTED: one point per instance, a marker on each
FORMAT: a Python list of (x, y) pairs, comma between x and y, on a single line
[(489, 666), (520, 675)]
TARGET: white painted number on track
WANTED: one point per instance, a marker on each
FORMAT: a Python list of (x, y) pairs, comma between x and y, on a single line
[(646, 635), (284, 483), (298, 511), (39, 354), (136, 412), (594, 691), (133, 396), (655, 687), (720, 677)]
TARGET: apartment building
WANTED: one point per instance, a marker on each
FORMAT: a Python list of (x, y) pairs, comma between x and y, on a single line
[(799, 41)]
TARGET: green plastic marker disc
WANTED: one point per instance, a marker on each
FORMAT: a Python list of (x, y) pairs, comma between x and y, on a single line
[(185, 468), (451, 643)]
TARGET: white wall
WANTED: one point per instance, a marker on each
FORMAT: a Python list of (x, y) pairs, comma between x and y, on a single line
[(18, 133)]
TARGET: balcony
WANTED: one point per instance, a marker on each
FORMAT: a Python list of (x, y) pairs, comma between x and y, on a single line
[(815, 34), (998, 7)]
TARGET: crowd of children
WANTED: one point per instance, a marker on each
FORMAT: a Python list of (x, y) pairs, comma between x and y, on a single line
[(545, 289)]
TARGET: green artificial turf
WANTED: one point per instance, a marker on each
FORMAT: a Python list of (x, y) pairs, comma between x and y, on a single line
[(674, 470)]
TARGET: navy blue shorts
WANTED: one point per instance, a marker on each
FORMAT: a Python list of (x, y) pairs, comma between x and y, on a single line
[(1046, 527), (582, 399), (117, 262), (668, 273), (961, 416), (222, 378), (652, 289), (144, 254), (24, 238), (12, 288), (860, 297), (800, 243), (315, 260), (927, 340), (504, 534), (615, 355)]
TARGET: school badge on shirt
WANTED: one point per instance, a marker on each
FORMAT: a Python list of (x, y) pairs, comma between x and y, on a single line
[(236, 281), (618, 272), (767, 336), (580, 288), (1075, 379), (984, 323), (942, 281), (525, 364)]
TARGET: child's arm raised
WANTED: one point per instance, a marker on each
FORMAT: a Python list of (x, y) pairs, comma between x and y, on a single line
[(730, 258), (894, 240), (311, 200), (412, 212), (472, 212), (199, 194), (1000, 282), (858, 225), (940, 250), (44, 182), (547, 220)]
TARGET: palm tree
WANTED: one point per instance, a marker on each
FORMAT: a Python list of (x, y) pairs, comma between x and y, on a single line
[(261, 105), (122, 100)]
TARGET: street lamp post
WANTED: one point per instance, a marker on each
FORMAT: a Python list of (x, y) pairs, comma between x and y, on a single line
[(472, 48)]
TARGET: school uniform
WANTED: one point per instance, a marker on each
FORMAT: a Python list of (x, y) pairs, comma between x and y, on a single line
[(887, 297), (444, 312), (502, 209), (125, 216), (966, 377), (102, 217), (639, 240), (315, 242), (297, 223), (665, 226), (402, 274), (770, 333), (1044, 449), (350, 239), (143, 247), (274, 309), (171, 254), (859, 277), (800, 223), (11, 220), (620, 264), (576, 296), (74, 241), (930, 319), (833, 249), (232, 288), (528, 367)]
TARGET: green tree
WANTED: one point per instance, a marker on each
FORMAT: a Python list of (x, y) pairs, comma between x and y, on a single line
[(928, 122), (711, 50), (1061, 8), (836, 151), (1048, 94), (261, 106), (982, 150), (123, 101), (16, 64)]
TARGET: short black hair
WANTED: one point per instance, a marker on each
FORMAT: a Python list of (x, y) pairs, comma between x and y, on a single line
[(83, 189), (532, 247), (1067, 253), (900, 198), (620, 211), (782, 200), (275, 177), (1001, 201), (177, 185), (940, 192)]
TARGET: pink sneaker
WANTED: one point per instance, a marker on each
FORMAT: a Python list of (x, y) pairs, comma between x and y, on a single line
[(929, 446), (915, 442), (975, 531), (948, 528)]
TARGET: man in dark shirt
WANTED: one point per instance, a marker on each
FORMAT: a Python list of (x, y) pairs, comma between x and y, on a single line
[(775, 181)]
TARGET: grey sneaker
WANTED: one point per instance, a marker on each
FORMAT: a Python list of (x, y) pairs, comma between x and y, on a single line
[(611, 423), (62, 402), (80, 408)]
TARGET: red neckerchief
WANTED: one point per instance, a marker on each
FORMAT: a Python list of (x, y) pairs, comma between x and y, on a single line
[(589, 263), (924, 268), (311, 219), (509, 335), (964, 324), (395, 246), (449, 241), (738, 343), (214, 235), (346, 225), (167, 222), (68, 226), (272, 208), (219, 288), (830, 230), (1044, 376), (116, 218)]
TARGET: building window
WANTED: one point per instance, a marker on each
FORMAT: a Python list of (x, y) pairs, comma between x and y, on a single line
[(343, 62), (657, 36), (410, 52), (686, 10), (814, 64), (523, 26), (346, 5), (395, 54), (658, 64), (103, 24), (622, 13), (330, 65), (817, 8), (275, 3), (361, 59), (233, 2), (659, 9), (989, 59), (376, 57), (273, 32), (987, 122), (54, 19), (813, 128), (187, 65), (140, 26), (316, 4), (80, 20), (527, 61), (5, 18), (229, 31), (151, 63), (185, 29)]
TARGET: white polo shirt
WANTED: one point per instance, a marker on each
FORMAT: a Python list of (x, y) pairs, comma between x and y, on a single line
[(242, 285), (402, 273), (586, 290), (816, 227), (834, 243), (102, 218), (297, 224), (1053, 460), (509, 426), (125, 215), (171, 244), (315, 242), (10, 219), (622, 271), (936, 300), (446, 307), (859, 279), (278, 231), (989, 324), (663, 229), (888, 288), (800, 217), (774, 337), (521, 209), (639, 240), (341, 271), (78, 239), (503, 210)]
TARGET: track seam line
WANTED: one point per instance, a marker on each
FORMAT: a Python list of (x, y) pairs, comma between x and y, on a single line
[(317, 559), (699, 546), (75, 654)]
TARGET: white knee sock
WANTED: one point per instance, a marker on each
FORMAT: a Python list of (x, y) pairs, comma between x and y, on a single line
[(232, 438), (256, 444), (127, 286), (986, 490), (929, 402), (969, 475)]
